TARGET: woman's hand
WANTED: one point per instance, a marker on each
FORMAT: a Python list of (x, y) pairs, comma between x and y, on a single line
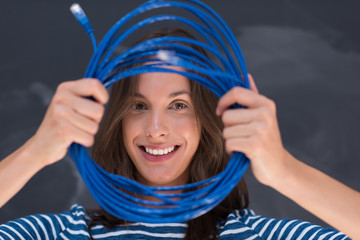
[(70, 118), (254, 131)]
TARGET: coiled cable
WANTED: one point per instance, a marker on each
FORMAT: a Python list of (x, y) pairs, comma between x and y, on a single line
[(226, 71)]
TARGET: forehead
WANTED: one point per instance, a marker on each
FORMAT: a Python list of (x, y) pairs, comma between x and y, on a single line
[(162, 83)]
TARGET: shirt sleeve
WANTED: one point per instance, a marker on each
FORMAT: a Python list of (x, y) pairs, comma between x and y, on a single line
[(246, 223), (32, 227), (40, 226), (270, 228)]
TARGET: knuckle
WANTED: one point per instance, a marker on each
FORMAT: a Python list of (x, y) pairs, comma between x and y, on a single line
[(224, 117), (102, 110), (236, 91), (88, 141), (59, 96), (99, 113), (60, 112), (228, 117), (233, 144), (94, 129), (265, 113), (228, 145), (261, 114), (62, 86), (93, 84), (271, 105)]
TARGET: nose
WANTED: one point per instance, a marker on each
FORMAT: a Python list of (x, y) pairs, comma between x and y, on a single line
[(157, 126)]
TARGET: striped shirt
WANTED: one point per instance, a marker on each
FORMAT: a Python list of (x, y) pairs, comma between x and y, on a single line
[(240, 224)]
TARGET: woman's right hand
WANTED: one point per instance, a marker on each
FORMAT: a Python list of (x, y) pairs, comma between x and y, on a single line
[(70, 117)]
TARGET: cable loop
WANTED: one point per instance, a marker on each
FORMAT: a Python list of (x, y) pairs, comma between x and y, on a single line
[(224, 72)]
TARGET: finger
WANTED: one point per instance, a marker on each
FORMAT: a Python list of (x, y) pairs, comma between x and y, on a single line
[(242, 96), (237, 145), (81, 137), (232, 117), (87, 87), (85, 124), (68, 133), (86, 107), (238, 131), (252, 83)]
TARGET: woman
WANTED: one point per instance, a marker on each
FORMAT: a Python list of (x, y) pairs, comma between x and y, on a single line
[(163, 130)]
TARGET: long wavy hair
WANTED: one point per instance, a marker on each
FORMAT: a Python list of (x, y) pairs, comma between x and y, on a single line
[(209, 159)]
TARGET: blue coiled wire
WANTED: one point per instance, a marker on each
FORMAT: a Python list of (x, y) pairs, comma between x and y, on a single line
[(224, 72)]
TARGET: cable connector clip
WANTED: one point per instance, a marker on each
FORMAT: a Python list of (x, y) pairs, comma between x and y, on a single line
[(81, 17)]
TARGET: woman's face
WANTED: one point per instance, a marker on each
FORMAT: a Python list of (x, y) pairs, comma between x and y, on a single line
[(161, 132)]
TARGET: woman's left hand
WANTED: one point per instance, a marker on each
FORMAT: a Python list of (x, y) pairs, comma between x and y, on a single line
[(254, 131)]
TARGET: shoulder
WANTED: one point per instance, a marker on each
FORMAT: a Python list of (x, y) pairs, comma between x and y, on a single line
[(47, 226), (247, 224)]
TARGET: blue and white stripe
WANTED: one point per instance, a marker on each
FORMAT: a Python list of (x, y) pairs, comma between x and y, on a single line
[(240, 224)]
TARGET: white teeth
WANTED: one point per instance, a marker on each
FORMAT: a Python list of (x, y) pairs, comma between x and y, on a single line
[(159, 151)]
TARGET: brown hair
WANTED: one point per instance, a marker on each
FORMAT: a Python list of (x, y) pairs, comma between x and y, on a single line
[(209, 159)]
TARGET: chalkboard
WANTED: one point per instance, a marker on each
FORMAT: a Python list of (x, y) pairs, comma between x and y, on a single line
[(305, 55)]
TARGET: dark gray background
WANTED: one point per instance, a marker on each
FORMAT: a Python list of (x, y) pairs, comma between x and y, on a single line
[(303, 54)]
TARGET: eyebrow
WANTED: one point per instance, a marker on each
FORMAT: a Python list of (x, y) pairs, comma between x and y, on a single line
[(172, 95)]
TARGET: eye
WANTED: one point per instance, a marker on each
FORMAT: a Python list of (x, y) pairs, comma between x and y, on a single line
[(179, 106), (139, 106)]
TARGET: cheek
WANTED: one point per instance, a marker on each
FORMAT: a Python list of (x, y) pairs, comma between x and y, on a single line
[(189, 128), (129, 131)]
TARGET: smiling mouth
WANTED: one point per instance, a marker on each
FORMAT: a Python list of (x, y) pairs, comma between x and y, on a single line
[(159, 152)]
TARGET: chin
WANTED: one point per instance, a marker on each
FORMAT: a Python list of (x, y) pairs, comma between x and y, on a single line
[(160, 180)]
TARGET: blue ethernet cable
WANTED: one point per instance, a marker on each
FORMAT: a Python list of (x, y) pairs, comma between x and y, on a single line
[(84, 21), (226, 70)]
